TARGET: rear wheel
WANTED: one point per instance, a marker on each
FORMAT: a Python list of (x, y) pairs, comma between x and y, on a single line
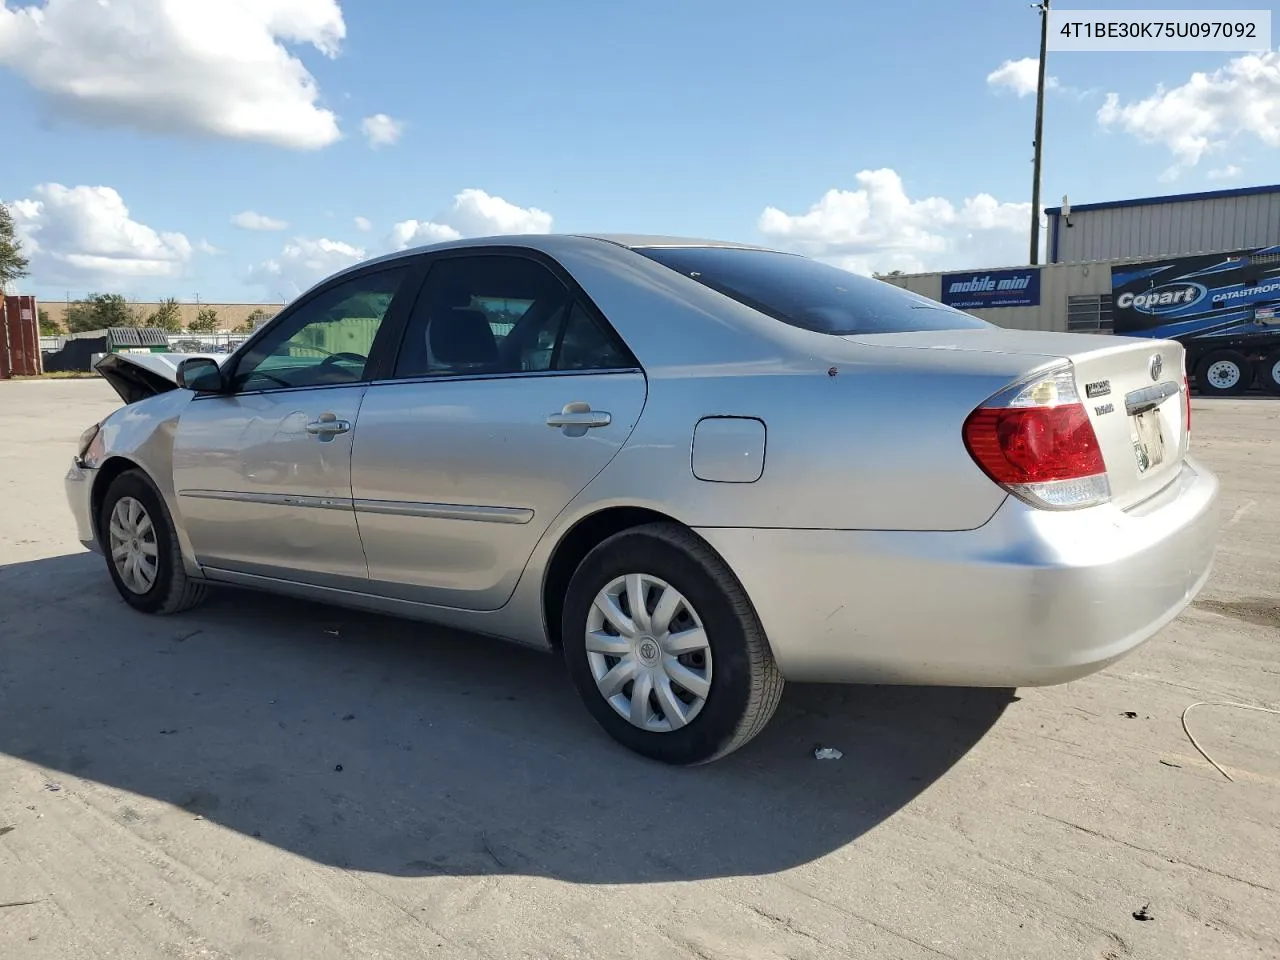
[(665, 648), (142, 550), (1269, 374), (1224, 373)]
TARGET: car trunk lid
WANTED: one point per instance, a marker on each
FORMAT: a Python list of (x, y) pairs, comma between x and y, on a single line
[(1135, 394), (1133, 389)]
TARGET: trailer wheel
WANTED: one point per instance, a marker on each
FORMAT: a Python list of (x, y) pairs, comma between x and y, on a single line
[(1224, 373), (1269, 372)]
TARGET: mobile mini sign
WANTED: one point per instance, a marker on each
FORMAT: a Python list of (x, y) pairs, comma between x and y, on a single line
[(992, 288)]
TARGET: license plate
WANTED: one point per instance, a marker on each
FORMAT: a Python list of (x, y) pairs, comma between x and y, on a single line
[(1148, 440)]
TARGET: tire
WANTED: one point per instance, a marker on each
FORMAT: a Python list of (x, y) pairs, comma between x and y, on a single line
[(162, 587), (742, 683), (1269, 373), (1224, 373)]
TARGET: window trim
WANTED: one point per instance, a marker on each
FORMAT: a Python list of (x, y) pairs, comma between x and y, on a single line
[(510, 375), (577, 296), (414, 268)]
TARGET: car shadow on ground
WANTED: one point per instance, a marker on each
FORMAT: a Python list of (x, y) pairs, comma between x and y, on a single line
[(388, 746)]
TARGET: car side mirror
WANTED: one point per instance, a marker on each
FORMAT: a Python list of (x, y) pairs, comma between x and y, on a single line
[(201, 375)]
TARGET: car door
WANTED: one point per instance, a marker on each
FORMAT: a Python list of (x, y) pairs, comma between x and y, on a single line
[(263, 470), (509, 394)]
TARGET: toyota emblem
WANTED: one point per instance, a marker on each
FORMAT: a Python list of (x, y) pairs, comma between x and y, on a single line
[(1156, 366)]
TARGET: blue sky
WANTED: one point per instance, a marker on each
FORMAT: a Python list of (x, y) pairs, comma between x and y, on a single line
[(873, 135)]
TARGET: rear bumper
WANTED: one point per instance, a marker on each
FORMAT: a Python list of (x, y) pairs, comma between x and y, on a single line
[(1030, 598), (79, 487)]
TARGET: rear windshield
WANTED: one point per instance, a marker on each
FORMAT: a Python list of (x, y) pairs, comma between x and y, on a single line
[(808, 294)]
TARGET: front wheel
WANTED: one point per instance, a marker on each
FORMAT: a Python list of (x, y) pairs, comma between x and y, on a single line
[(665, 648), (142, 550), (1224, 373)]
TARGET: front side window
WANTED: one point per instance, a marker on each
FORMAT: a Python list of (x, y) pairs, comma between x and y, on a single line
[(812, 295), (487, 315), (327, 340)]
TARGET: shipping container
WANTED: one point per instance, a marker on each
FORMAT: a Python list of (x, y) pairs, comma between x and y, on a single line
[(19, 337)]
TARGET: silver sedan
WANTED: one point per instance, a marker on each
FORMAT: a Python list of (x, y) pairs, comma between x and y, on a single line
[(695, 469)]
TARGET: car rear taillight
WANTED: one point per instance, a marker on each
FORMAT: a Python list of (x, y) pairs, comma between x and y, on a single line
[(1035, 439)]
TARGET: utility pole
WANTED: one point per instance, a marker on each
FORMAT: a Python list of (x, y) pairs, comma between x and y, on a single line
[(1043, 7)]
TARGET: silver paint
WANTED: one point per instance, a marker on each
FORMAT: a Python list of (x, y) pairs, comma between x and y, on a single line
[(871, 546), (728, 449), (256, 448), (474, 441)]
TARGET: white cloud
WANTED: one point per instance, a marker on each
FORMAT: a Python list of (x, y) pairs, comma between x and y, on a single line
[(204, 246), (1229, 172), (877, 227), (985, 212), (364, 224), (1020, 76), (474, 214), (212, 67), (302, 263), (1208, 111), (250, 220), (381, 130), (416, 233), (82, 235)]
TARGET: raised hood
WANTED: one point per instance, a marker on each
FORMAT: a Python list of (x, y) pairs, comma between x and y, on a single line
[(136, 376)]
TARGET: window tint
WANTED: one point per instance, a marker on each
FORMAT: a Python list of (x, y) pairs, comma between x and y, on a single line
[(327, 340), (812, 295), (584, 346), (501, 314)]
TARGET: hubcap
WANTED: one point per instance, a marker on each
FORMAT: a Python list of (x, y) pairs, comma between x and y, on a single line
[(1275, 372), (1224, 374), (649, 653), (133, 545)]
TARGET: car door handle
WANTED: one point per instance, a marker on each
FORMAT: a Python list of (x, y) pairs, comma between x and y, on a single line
[(579, 415), (587, 418), (328, 426)]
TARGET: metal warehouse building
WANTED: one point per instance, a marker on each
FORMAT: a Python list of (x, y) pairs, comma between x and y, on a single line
[(1203, 268)]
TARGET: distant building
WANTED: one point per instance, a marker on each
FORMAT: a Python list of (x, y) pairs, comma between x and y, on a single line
[(1201, 268)]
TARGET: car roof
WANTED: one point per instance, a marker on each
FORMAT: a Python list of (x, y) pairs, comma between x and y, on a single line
[(642, 241), (545, 242)]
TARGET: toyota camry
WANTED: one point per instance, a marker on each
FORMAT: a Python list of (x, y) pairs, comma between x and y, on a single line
[(694, 469)]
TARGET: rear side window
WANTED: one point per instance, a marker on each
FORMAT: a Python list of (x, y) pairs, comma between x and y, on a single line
[(812, 295), (497, 314)]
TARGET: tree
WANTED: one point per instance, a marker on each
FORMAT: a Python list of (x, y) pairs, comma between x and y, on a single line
[(891, 273), (166, 316), (206, 321), (13, 265), (99, 311), (47, 327), (253, 321)]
